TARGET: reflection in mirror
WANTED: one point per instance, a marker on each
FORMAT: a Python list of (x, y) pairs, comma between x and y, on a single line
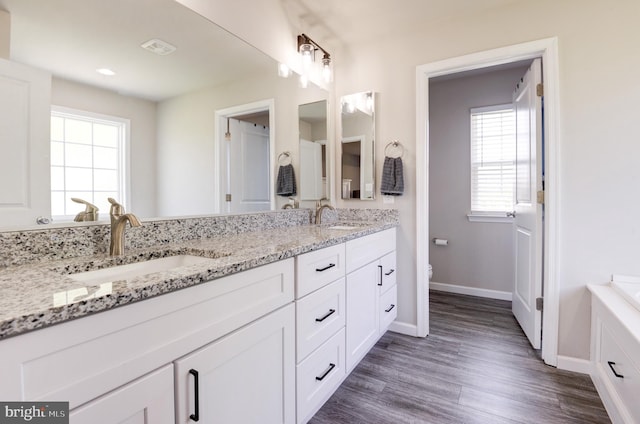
[(358, 146), (314, 167), (174, 166)]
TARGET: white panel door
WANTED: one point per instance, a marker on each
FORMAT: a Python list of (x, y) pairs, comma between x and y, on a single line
[(25, 169), (310, 170), (249, 166), (528, 212)]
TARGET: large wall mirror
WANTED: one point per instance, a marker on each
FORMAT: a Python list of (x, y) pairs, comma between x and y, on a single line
[(314, 164), (176, 102), (358, 146)]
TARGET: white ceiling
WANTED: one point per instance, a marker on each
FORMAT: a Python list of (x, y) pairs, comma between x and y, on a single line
[(356, 21), (72, 38)]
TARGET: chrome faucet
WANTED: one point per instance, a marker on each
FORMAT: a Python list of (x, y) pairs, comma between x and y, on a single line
[(90, 212), (320, 208), (118, 225)]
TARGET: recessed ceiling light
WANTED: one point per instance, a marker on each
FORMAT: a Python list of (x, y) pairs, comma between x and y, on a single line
[(105, 71), (158, 46)]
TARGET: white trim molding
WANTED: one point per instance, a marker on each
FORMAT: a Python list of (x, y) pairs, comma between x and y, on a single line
[(569, 363), (547, 49), (471, 291), (404, 328)]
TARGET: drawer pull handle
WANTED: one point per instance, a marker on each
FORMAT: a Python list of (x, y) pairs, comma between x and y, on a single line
[(195, 416), (611, 364), (331, 367), (380, 281), (390, 308), (390, 272), (331, 312), (325, 268)]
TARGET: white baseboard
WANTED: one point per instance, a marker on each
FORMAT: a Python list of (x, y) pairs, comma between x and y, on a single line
[(568, 363), (471, 291), (404, 328)]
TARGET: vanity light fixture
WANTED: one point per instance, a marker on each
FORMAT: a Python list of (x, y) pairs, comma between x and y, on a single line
[(307, 50)]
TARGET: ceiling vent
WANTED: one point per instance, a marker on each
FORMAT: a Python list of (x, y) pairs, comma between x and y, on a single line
[(158, 47)]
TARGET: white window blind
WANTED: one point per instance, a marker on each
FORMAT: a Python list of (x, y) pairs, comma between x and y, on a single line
[(87, 161), (493, 149)]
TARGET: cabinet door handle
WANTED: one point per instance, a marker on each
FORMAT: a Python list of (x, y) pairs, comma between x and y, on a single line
[(611, 364), (325, 268), (331, 367), (195, 416), (331, 312), (390, 308), (390, 272), (380, 281)]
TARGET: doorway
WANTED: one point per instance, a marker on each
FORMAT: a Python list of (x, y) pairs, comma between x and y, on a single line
[(547, 50), (245, 157)]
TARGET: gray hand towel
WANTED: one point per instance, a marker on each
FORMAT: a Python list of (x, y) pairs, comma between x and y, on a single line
[(286, 181), (392, 177)]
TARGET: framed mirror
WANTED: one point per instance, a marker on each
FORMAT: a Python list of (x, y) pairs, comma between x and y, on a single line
[(314, 164), (358, 146)]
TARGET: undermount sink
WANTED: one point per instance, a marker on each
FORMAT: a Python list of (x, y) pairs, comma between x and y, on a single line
[(123, 272)]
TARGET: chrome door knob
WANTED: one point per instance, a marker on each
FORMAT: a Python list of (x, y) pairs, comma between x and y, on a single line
[(511, 214)]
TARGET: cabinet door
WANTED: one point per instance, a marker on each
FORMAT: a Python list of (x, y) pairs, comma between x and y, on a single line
[(245, 377), (148, 400), (25, 168), (362, 313)]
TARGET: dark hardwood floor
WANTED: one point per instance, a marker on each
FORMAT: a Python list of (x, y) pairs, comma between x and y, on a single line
[(476, 366)]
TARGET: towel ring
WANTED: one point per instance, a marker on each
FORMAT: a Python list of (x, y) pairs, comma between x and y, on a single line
[(394, 149), (284, 159)]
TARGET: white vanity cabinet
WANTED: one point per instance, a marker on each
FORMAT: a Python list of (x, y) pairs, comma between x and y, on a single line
[(320, 320), (371, 292), (104, 358), (615, 353)]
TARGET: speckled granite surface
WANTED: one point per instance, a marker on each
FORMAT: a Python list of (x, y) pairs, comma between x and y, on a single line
[(42, 293)]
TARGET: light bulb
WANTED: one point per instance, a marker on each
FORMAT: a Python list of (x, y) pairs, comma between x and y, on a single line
[(283, 70)]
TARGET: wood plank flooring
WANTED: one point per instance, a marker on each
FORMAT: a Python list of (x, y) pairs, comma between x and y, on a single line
[(476, 366)]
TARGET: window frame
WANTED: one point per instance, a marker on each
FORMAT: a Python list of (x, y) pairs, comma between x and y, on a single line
[(124, 183), (495, 216)]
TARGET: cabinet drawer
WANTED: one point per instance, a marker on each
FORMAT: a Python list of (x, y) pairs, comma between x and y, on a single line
[(388, 308), (369, 248), (318, 316), (612, 358), (319, 376), (387, 272), (318, 268)]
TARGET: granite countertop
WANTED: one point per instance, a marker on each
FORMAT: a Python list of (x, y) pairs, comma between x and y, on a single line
[(41, 294)]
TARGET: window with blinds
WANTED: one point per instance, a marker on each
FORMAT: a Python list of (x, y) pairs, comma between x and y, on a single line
[(87, 161), (493, 151)]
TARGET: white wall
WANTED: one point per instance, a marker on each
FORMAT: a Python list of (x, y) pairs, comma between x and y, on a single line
[(598, 51), (5, 34), (479, 254), (142, 116), (186, 135)]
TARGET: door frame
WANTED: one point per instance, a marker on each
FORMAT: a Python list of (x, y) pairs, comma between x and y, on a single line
[(547, 49), (221, 116)]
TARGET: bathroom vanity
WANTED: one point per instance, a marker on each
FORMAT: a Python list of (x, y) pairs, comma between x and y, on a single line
[(615, 351), (261, 332)]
